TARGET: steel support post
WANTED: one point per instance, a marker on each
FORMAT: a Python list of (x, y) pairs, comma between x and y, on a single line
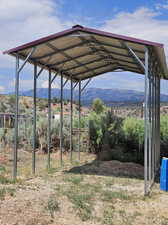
[(156, 112), (151, 147), (146, 125), (155, 120), (154, 134), (158, 118), (156, 123), (71, 121), (82, 89), (34, 121), (79, 121), (61, 120), (150, 125), (15, 152), (49, 120)]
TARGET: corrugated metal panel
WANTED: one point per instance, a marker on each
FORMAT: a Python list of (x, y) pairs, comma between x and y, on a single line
[(72, 51)]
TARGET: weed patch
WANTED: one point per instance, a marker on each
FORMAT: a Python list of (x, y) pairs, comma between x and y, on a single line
[(2, 193), (108, 216), (5, 191), (52, 205), (110, 195), (73, 179), (82, 203)]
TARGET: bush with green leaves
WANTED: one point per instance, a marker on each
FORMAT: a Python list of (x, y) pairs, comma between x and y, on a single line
[(95, 131), (83, 122), (164, 135), (104, 127), (134, 131), (98, 106), (133, 142)]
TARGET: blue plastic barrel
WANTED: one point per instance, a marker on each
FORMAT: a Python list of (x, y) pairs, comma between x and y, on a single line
[(164, 175)]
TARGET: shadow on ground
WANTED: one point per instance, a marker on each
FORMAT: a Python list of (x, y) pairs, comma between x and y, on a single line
[(110, 168)]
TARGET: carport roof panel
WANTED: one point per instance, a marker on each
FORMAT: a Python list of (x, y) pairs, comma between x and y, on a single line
[(70, 45)]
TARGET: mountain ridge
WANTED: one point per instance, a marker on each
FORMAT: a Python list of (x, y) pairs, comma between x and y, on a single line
[(108, 96)]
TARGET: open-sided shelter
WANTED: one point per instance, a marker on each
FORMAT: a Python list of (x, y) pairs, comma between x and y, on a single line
[(81, 53)]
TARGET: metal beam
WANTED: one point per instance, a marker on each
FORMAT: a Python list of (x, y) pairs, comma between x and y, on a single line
[(71, 121), (105, 71), (54, 78), (79, 121), (66, 55), (59, 51), (146, 125), (61, 120), (75, 85), (34, 121), (65, 82), (15, 152), (93, 52), (86, 85), (40, 64), (27, 58), (134, 56), (41, 70), (109, 56), (85, 43), (95, 68), (113, 46), (68, 60), (120, 66), (105, 58), (49, 121), (98, 60), (87, 63)]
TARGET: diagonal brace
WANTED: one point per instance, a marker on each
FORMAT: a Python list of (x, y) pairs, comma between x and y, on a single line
[(41, 70), (86, 85), (65, 82), (133, 55), (75, 85), (54, 78), (27, 58)]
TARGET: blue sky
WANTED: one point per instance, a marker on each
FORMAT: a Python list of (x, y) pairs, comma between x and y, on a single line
[(22, 21)]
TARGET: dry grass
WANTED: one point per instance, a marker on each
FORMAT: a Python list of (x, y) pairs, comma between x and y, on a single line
[(85, 193)]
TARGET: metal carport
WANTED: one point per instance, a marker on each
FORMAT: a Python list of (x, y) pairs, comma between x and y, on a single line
[(82, 53)]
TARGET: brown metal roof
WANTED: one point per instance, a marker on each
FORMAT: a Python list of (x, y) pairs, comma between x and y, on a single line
[(83, 53)]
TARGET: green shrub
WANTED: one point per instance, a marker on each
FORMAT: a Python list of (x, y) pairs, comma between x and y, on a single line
[(98, 106), (164, 129), (83, 122), (134, 130), (52, 205), (164, 135), (82, 203), (104, 129)]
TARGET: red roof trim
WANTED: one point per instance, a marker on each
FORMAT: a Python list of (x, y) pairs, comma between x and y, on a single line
[(85, 29), (125, 38)]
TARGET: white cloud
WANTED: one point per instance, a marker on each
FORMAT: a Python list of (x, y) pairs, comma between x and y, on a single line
[(162, 6), (27, 84), (142, 23), (24, 20), (45, 84), (23, 84), (2, 89)]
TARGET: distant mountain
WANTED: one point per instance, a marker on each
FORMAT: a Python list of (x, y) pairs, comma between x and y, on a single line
[(108, 96)]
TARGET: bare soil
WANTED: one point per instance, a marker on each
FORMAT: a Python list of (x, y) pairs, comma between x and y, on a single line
[(86, 193)]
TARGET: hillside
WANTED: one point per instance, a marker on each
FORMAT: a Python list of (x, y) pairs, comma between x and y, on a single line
[(108, 96)]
